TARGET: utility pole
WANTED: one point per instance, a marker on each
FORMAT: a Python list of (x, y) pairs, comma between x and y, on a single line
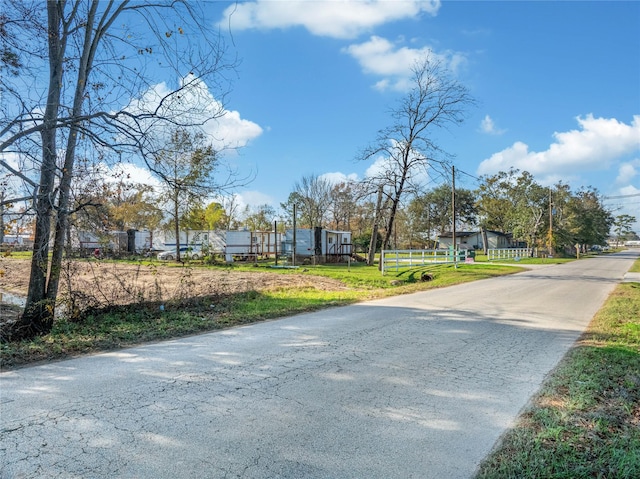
[(275, 239), (550, 223), (453, 215), (293, 255)]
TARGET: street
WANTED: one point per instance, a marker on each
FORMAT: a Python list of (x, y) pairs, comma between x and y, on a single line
[(414, 386)]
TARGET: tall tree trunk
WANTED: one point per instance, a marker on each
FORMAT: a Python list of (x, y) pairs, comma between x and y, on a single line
[(399, 189), (39, 310), (392, 217), (62, 219), (37, 318), (2, 197), (374, 233), (176, 226)]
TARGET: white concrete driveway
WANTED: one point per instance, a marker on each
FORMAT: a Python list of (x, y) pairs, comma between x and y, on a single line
[(417, 386)]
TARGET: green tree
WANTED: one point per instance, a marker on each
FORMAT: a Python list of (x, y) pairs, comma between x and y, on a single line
[(555, 222), (215, 216), (513, 202), (622, 226), (432, 211), (194, 218), (586, 220), (494, 203), (530, 203), (259, 218), (186, 167), (136, 207)]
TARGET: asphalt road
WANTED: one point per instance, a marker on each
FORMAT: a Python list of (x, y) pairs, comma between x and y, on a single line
[(416, 386)]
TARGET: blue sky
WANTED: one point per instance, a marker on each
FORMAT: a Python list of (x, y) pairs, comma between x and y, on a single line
[(557, 86)]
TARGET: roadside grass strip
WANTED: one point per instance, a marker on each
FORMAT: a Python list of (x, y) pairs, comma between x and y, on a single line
[(585, 421)]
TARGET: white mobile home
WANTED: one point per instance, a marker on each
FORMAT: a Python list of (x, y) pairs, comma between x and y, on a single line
[(132, 241), (328, 245), (213, 240), (110, 240), (473, 240), (245, 244), (239, 243)]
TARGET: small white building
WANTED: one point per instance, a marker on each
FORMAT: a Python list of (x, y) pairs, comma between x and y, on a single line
[(473, 240), (328, 245), (18, 240), (212, 240), (133, 241), (245, 243)]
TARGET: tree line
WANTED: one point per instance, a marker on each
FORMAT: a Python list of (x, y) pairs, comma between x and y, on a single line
[(512, 202)]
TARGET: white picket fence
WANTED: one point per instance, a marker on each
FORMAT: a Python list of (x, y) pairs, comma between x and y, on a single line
[(411, 258), (508, 253)]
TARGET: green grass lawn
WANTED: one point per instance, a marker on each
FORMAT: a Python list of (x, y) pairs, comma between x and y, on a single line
[(525, 260), (585, 422)]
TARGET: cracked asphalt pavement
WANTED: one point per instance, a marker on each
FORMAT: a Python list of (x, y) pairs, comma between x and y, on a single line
[(415, 386)]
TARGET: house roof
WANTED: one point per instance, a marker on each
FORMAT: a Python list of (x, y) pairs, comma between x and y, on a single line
[(459, 234), (466, 234)]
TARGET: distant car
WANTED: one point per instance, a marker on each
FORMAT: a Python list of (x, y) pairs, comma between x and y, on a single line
[(186, 252)]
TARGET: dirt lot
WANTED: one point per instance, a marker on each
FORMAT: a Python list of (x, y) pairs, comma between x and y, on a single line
[(101, 283)]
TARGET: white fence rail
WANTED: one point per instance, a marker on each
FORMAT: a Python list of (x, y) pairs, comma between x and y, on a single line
[(411, 258), (508, 253)]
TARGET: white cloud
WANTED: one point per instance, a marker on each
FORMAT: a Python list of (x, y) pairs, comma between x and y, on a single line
[(626, 204), (13, 186), (379, 56), (487, 125), (336, 18), (629, 190), (378, 167), (11, 158), (338, 177), (595, 145), (254, 198), (195, 104), (231, 130), (128, 172), (627, 171), (385, 167)]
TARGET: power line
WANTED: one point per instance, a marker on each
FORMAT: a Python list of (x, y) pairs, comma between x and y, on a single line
[(618, 197), (468, 174)]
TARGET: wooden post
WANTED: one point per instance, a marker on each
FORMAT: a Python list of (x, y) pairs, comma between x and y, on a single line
[(453, 215), (374, 234)]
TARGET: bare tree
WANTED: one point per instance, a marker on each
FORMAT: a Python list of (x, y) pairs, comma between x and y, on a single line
[(231, 206), (89, 78), (407, 147), (312, 195), (343, 204)]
